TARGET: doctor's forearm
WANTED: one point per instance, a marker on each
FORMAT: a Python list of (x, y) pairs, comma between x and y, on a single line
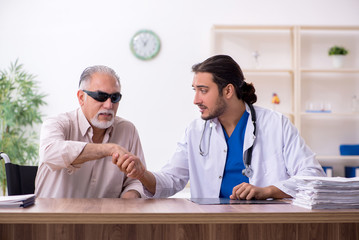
[(277, 193), (148, 180)]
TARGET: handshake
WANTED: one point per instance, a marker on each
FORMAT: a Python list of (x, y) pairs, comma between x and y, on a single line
[(130, 164)]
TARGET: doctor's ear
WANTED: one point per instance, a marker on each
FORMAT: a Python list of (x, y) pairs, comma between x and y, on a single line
[(228, 91)]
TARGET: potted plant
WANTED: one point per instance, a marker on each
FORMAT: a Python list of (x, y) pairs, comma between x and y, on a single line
[(337, 53), (19, 110)]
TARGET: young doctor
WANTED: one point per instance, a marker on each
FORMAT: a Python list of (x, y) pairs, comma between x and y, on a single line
[(236, 150)]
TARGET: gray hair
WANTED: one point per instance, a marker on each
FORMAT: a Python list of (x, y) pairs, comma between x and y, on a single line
[(87, 73)]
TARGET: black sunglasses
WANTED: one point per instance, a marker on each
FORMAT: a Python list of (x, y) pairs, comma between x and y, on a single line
[(102, 96)]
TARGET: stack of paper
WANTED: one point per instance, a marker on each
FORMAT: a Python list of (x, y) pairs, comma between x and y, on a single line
[(17, 200), (327, 192)]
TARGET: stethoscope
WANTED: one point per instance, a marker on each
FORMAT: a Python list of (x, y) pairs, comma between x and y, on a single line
[(248, 155)]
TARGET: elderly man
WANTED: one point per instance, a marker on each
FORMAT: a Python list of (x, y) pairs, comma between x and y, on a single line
[(76, 147)]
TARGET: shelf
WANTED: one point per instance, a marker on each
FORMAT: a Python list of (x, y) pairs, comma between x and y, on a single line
[(329, 115), (330, 28), (238, 43), (262, 70), (293, 62), (235, 28), (330, 70), (336, 157)]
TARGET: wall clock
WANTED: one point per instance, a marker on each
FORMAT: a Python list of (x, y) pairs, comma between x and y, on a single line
[(145, 44)]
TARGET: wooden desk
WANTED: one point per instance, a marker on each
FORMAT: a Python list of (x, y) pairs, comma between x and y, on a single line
[(172, 219)]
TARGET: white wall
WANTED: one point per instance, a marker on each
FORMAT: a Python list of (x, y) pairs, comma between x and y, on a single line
[(56, 40)]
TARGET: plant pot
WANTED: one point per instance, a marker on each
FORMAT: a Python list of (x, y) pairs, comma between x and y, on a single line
[(337, 61)]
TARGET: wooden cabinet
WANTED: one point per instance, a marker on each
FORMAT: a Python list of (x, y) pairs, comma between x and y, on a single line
[(266, 56), (293, 62)]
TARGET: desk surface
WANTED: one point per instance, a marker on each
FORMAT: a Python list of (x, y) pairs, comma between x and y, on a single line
[(166, 211)]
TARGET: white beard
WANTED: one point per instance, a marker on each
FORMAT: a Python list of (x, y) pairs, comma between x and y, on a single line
[(103, 124)]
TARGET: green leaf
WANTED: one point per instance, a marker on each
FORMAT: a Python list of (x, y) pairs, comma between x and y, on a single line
[(337, 50)]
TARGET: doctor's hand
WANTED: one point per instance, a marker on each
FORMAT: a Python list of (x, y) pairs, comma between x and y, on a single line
[(248, 191), (134, 168), (130, 165)]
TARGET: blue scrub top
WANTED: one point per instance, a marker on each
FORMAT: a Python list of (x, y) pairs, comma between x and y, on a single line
[(232, 175)]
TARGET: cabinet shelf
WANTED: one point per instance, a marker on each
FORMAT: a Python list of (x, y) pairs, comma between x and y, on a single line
[(293, 62), (290, 71), (330, 115), (236, 28), (337, 157), (348, 70)]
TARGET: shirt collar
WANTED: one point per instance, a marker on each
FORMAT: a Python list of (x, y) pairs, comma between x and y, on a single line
[(83, 123)]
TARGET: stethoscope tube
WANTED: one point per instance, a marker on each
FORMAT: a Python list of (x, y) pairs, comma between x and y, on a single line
[(248, 171), (209, 138), (247, 157)]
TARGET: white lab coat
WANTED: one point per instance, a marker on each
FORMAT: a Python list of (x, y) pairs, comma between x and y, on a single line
[(279, 152)]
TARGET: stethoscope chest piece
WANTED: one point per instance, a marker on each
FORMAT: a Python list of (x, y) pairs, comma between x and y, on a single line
[(248, 172)]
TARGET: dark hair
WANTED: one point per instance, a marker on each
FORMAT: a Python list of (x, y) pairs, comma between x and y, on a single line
[(226, 71)]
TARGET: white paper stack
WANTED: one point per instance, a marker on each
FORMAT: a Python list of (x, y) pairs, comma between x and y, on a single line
[(326, 192), (17, 201)]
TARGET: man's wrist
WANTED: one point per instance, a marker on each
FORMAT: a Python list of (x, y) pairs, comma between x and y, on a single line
[(276, 192), (131, 194), (142, 178), (148, 180), (270, 191)]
